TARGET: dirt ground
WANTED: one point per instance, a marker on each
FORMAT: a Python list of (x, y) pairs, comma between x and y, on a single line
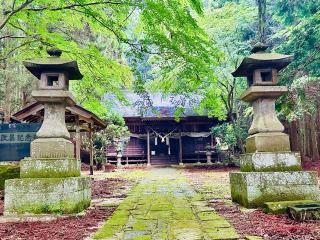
[(73, 228)]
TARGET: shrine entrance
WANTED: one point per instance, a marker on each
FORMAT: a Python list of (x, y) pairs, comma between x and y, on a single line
[(164, 151)]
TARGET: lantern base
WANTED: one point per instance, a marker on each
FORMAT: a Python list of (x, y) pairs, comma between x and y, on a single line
[(46, 195), (268, 142), (52, 148), (270, 162), (253, 189), (49, 168)]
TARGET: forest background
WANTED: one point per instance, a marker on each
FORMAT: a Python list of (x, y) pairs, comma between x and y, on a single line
[(181, 48)]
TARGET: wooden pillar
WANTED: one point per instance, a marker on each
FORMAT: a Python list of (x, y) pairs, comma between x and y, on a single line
[(180, 148), (314, 138), (148, 148), (294, 137), (78, 139), (211, 138), (91, 149)]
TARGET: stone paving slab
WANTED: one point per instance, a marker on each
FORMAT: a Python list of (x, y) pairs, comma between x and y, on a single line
[(164, 206)]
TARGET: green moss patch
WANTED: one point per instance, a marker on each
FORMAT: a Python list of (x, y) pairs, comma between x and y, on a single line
[(253, 238), (63, 207), (165, 206), (276, 168), (49, 168), (8, 172)]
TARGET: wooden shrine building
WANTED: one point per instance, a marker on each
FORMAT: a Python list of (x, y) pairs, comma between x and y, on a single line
[(157, 139), (78, 120)]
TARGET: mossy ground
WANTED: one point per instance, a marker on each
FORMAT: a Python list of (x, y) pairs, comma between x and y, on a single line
[(164, 206)]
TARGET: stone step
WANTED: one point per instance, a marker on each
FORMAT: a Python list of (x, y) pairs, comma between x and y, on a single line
[(281, 207)]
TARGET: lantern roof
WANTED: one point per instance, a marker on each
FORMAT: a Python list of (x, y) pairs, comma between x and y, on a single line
[(53, 63), (260, 59)]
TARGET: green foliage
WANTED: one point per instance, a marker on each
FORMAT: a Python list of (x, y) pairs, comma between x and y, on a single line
[(229, 134), (302, 75), (100, 35), (114, 135), (226, 133), (188, 55), (231, 28), (8, 172), (184, 48), (289, 12)]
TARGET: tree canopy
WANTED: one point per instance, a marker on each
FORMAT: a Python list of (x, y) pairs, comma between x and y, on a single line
[(103, 35), (186, 48)]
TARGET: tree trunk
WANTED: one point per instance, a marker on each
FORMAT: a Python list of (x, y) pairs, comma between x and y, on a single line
[(294, 136), (314, 138), (262, 7), (302, 138), (239, 140), (307, 141)]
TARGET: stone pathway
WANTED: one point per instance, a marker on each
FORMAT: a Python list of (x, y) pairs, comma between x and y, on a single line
[(164, 206)]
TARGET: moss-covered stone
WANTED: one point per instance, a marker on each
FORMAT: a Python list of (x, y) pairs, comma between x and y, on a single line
[(253, 189), (281, 207), (222, 233), (51, 148), (253, 238), (47, 195), (8, 171), (305, 212), (49, 168), (165, 206), (268, 142), (270, 162)]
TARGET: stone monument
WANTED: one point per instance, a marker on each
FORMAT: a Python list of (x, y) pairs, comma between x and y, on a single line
[(269, 170), (50, 180)]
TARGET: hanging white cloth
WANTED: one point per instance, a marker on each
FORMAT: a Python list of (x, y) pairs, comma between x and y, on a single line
[(156, 140)]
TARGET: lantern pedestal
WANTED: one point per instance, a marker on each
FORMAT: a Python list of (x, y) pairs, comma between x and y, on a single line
[(253, 189), (50, 180), (52, 148), (47, 195), (270, 161), (268, 142), (270, 172)]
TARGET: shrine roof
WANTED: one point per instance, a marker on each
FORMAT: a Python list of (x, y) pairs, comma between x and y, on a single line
[(154, 105), (34, 111)]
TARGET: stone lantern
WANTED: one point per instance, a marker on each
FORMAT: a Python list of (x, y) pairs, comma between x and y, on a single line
[(50, 180), (269, 170)]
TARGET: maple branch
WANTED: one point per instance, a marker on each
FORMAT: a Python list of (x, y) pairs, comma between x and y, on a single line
[(13, 12), (16, 48), (73, 6), (11, 36)]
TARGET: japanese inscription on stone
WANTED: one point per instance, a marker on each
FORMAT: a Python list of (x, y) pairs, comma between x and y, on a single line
[(20, 137)]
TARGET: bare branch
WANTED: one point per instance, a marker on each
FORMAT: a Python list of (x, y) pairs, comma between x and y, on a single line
[(16, 48), (11, 36), (13, 12), (73, 6), (132, 11)]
